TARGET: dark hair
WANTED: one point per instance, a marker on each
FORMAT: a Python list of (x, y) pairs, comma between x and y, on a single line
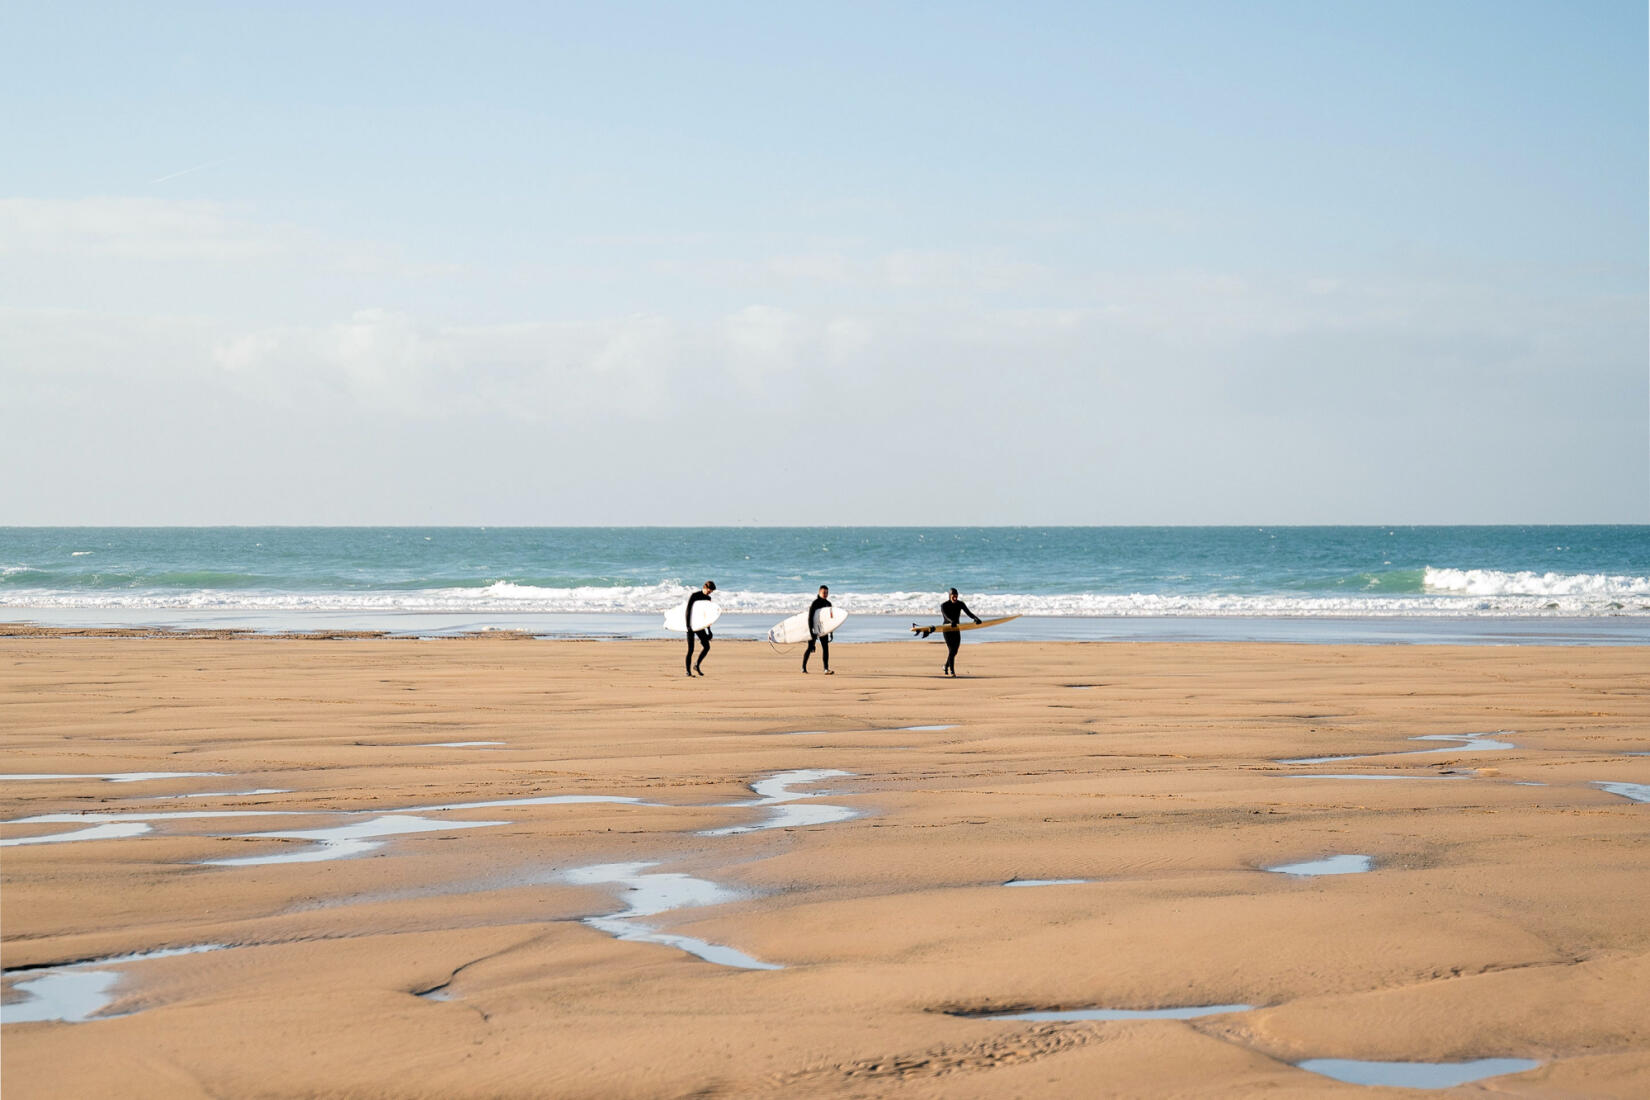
[(711, 585), (953, 593)]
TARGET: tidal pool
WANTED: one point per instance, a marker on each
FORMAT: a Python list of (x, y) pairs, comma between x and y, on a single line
[(775, 791), (536, 800), (1329, 865), (1415, 1075), (1638, 792), (1188, 1012), (343, 841), (1350, 775), (1462, 742), (214, 794), (650, 895), (77, 992), (125, 824), (116, 825), (458, 744), (112, 831), (111, 777)]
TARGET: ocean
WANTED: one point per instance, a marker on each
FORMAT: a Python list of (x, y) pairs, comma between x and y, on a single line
[(1306, 583)]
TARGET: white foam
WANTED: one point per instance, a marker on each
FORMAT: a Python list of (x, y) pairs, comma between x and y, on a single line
[(1478, 593), (1493, 582)]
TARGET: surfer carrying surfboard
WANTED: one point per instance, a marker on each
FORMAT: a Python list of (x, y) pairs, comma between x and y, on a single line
[(952, 611), (702, 635), (824, 640)]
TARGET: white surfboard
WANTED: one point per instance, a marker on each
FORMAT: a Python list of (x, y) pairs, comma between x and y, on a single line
[(795, 628), (705, 612)]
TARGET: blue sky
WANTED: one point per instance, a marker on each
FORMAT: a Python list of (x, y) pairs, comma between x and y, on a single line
[(1180, 263)]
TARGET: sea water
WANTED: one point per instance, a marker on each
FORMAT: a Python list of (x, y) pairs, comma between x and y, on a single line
[(1333, 583)]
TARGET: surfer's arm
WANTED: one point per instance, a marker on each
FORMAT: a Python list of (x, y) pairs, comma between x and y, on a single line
[(967, 612)]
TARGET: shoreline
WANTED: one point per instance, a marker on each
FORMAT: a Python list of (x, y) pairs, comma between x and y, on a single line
[(1600, 630)]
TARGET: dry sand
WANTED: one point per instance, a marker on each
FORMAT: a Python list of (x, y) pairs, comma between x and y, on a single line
[(1508, 914)]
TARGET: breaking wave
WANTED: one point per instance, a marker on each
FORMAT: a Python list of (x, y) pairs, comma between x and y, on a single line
[(1447, 592), (1493, 582)]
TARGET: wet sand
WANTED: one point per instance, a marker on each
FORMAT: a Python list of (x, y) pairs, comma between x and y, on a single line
[(476, 951)]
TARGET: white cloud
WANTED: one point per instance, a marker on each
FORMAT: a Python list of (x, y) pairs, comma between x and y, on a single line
[(135, 228), (762, 339)]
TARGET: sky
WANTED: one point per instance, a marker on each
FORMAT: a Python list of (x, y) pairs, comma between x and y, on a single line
[(919, 263)]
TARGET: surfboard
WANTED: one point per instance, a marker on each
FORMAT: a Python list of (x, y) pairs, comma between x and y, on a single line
[(924, 631), (705, 612), (795, 628)]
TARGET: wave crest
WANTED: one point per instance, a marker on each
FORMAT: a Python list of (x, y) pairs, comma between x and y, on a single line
[(1494, 582), (1453, 593)]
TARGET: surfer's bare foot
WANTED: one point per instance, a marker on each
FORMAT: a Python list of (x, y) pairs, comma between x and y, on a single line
[(828, 672)]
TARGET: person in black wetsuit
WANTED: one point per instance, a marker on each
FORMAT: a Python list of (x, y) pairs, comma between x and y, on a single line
[(814, 636), (952, 611), (702, 635)]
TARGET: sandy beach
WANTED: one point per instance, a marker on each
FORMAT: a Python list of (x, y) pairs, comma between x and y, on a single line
[(777, 883)]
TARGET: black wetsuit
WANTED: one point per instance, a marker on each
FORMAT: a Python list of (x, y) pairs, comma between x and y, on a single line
[(702, 635), (824, 640), (952, 612)]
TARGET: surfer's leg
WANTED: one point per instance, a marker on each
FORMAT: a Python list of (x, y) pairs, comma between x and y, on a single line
[(809, 652), (824, 652), (704, 651), (690, 654), (952, 641)]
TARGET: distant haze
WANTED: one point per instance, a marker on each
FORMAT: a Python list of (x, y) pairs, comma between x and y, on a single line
[(866, 264)]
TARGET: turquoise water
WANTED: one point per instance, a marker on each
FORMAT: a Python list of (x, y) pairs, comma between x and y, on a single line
[(350, 574)]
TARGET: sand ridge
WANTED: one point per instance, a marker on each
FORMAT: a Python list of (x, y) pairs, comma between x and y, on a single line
[(1501, 918)]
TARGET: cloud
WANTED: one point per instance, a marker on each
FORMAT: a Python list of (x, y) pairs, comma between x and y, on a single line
[(136, 228)]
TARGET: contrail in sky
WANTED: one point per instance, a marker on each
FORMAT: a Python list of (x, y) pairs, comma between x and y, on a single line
[(186, 171)]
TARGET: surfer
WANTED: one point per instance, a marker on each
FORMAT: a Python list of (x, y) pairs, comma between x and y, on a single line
[(824, 640), (952, 611), (703, 635)]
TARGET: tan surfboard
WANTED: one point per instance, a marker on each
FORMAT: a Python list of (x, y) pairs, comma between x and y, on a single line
[(924, 631)]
